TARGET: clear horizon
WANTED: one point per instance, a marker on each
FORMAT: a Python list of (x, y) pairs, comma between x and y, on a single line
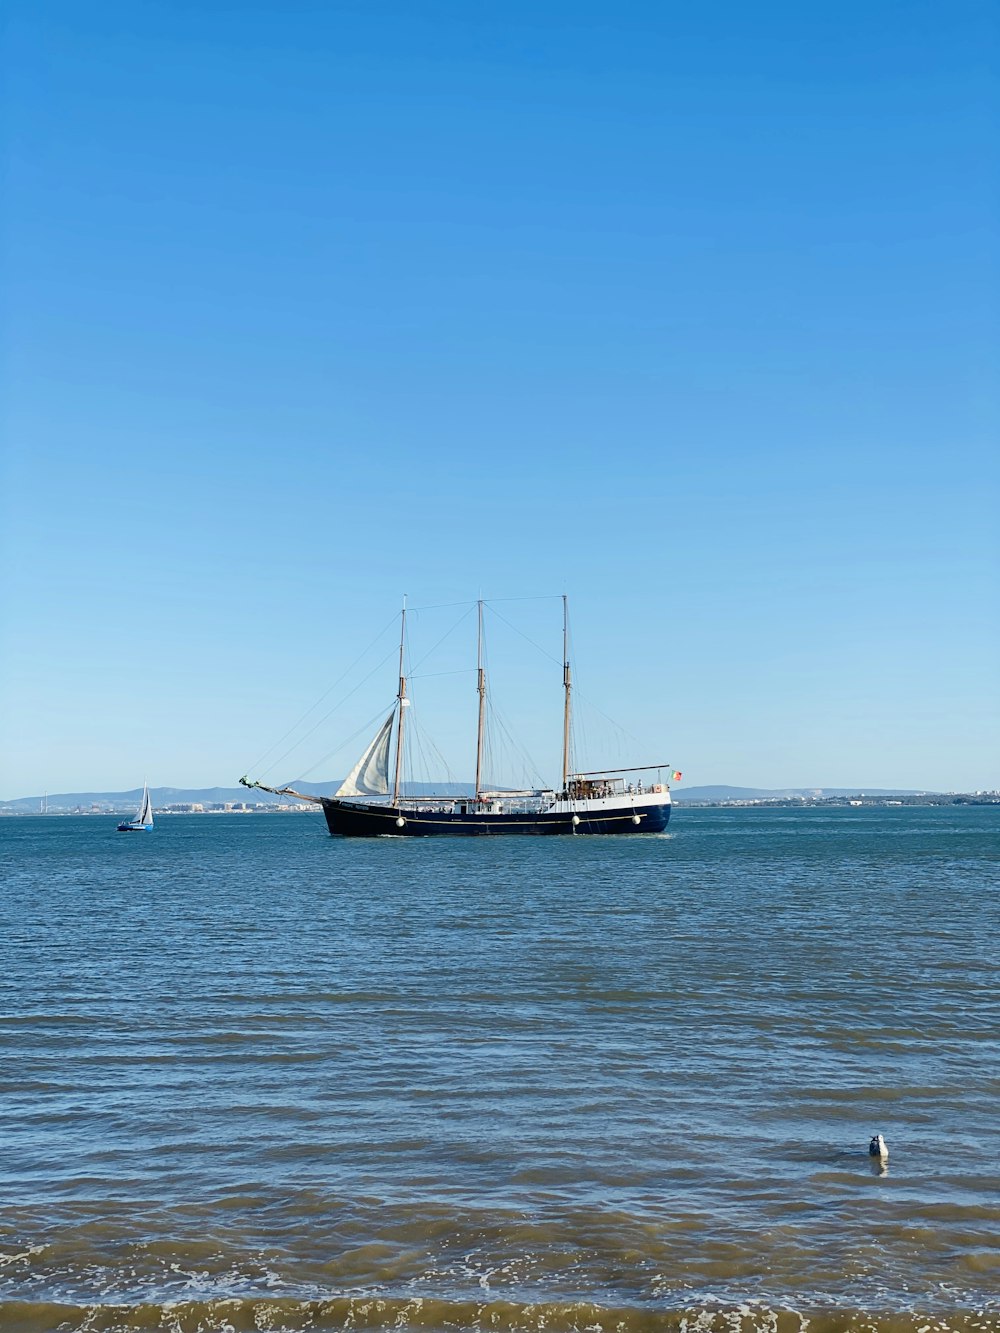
[(689, 315)]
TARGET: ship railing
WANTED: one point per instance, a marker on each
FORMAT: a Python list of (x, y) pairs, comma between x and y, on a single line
[(595, 788), (526, 800)]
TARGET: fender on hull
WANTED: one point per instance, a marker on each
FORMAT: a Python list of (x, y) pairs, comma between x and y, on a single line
[(351, 820)]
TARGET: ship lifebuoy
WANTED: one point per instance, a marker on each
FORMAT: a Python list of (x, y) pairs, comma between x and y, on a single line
[(657, 786)]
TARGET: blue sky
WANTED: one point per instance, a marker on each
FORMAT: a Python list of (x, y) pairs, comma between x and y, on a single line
[(686, 311)]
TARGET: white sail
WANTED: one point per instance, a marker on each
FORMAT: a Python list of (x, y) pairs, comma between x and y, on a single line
[(370, 775), (145, 813)]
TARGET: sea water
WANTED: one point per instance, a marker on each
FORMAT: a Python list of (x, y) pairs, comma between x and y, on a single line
[(253, 1077)]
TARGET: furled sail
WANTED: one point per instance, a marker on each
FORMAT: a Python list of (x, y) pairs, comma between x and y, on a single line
[(370, 775)]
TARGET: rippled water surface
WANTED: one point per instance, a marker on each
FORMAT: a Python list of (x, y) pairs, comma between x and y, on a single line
[(255, 1077)]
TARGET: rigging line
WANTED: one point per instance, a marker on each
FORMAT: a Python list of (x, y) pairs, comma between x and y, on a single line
[(365, 727), (583, 698), (439, 757), (495, 718), (440, 641), (427, 752), (487, 601), (538, 647), (267, 753), (427, 743), (312, 730), (327, 716), (539, 597), (515, 747), (415, 767), (577, 692), (431, 675), (439, 606), (415, 761)]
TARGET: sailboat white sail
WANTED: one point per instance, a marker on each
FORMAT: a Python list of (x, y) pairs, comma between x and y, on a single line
[(143, 816), (370, 775), (145, 813)]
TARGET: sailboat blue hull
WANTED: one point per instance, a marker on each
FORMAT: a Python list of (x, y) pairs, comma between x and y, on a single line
[(352, 820), (134, 828)]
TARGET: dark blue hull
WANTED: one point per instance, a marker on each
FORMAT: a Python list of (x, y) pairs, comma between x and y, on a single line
[(350, 820)]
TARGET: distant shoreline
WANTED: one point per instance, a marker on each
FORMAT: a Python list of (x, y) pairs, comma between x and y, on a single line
[(858, 801), (867, 802)]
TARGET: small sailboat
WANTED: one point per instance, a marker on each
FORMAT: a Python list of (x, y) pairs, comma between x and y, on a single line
[(143, 816), (596, 802)]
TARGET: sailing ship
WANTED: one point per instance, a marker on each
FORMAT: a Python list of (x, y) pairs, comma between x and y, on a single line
[(623, 800), (143, 816)]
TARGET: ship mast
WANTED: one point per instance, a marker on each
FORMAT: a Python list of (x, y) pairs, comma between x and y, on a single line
[(402, 702), (567, 686), (481, 686)]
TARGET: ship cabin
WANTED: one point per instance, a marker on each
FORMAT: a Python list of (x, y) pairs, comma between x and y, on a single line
[(599, 786)]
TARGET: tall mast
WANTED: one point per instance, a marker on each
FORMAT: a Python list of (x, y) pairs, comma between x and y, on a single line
[(402, 703), (482, 704), (568, 687)]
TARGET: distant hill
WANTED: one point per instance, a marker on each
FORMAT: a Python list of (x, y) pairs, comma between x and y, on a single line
[(124, 801), (682, 794)]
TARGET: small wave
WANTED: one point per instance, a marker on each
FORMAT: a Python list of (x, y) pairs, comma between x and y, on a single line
[(378, 1312)]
